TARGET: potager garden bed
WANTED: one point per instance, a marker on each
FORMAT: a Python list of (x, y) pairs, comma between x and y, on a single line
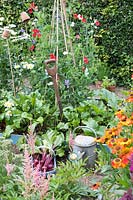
[(61, 139)]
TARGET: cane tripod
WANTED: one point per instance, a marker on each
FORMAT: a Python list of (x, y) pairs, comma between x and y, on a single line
[(59, 12)]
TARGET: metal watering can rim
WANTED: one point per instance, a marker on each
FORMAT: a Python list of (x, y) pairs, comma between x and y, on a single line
[(91, 141)]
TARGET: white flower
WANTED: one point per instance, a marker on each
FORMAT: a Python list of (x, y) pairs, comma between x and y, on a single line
[(8, 104), (12, 25), (80, 17), (16, 66), (72, 24), (24, 64), (50, 83), (65, 53), (13, 32), (1, 19), (9, 113), (86, 72), (29, 66)]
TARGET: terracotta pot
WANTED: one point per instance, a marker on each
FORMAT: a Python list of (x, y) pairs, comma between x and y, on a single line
[(25, 17), (6, 34)]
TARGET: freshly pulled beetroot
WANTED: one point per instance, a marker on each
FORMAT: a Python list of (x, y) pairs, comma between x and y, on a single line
[(45, 161)]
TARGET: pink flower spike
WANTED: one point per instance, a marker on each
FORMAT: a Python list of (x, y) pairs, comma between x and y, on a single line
[(86, 61), (9, 168), (71, 140)]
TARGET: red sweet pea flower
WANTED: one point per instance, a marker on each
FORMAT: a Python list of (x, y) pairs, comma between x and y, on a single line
[(36, 33), (32, 8), (52, 56), (75, 16), (86, 61), (32, 48), (97, 23), (84, 20)]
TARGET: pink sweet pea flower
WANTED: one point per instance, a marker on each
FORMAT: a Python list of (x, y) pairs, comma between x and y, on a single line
[(32, 48), (97, 23), (80, 17), (75, 16), (77, 36)]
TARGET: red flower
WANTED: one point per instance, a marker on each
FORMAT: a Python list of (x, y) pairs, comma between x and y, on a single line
[(97, 23), (32, 48), (75, 16), (36, 33), (84, 20), (32, 8), (52, 56), (86, 61), (132, 76)]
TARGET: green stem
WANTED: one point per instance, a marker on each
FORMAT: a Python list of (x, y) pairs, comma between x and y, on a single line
[(11, 68)]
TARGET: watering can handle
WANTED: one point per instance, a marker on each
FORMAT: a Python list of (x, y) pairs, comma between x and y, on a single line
[(89, 128)]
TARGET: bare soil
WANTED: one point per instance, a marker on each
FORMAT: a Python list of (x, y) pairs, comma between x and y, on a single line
[(119, 91)]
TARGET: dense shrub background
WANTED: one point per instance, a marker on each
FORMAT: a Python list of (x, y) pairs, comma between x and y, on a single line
[(114, 37)]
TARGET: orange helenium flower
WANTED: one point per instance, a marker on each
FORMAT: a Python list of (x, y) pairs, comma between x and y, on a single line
[(95, 186)]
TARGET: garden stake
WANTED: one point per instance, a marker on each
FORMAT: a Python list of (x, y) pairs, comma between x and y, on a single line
[(53, 73)]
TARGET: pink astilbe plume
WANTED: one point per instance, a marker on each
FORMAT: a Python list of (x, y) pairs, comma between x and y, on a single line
[(33, 181), (31, 139), (9, 168), (71, 140)]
